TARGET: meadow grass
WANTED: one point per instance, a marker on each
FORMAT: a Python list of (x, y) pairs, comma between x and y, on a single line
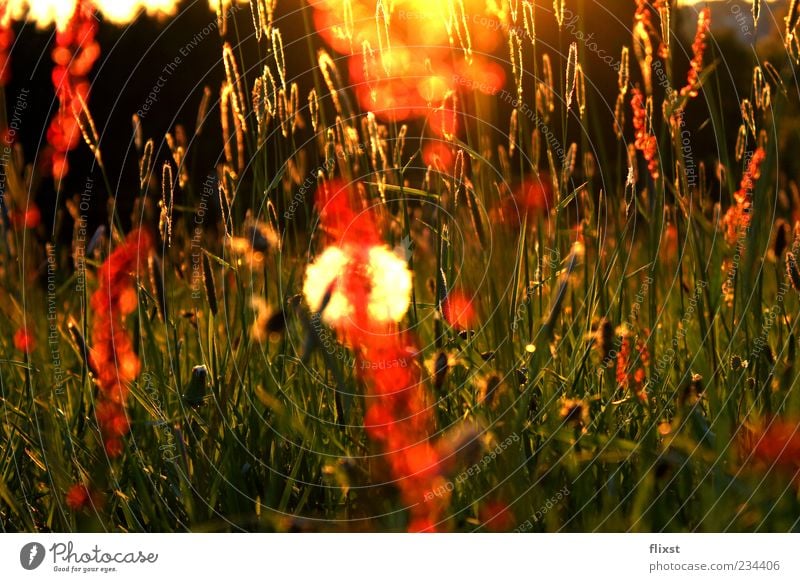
[(624, 351)]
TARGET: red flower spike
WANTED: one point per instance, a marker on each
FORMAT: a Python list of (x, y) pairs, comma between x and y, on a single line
[(775, 444), (6, 40), (692, 86), (74, 56), (397, 415), (29, 218), (112, 354), (737, 218), (645, 141), (24, 340), (339, 219), (78, 497)]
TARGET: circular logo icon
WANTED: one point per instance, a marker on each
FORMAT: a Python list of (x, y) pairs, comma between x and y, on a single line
[(31, 555)]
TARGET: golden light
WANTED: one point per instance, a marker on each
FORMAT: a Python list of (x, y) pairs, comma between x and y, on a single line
[(391, 285), (320, 275), (45, 13), (406, 56), (124, 11), (42, 12), (388, 275)]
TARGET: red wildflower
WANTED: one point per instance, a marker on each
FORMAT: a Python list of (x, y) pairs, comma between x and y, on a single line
[(439, 155), (776, 444), (112, 355), (24, 340), (339, 217), (397, 415), (26, 219), (737, 218), (670, 242), (80, 497), (532, 199), (698, 49), (645, 141), (74, 55), (113, 447), (535, 197), (643, 26), (459, 310), (632, 361), (77, 497), (6, 40)]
